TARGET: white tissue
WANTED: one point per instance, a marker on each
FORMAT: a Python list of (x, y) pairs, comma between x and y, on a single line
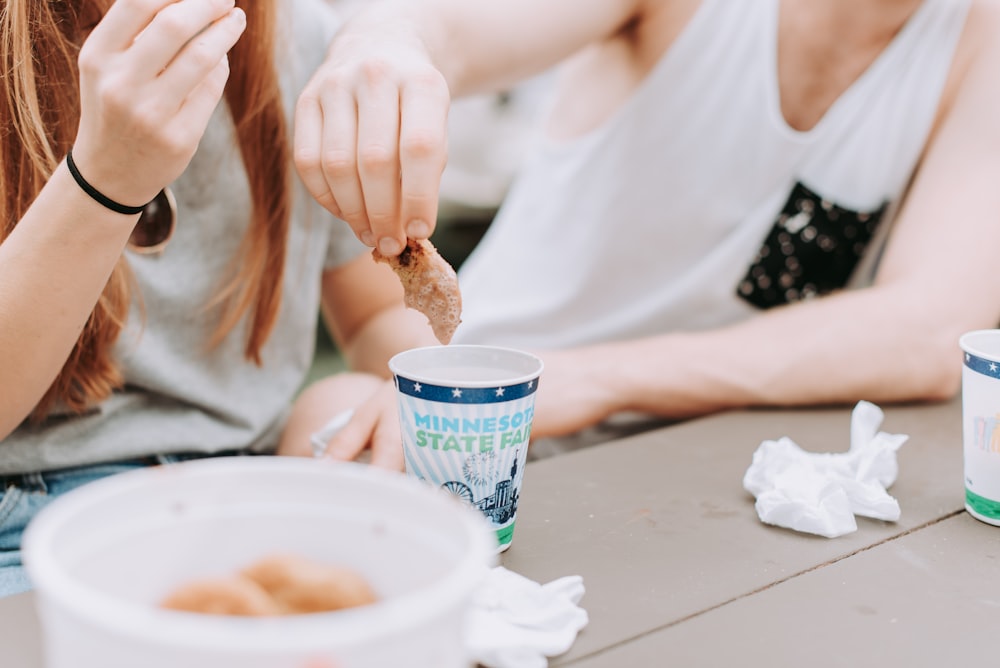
[(821, 493), (516, 622)]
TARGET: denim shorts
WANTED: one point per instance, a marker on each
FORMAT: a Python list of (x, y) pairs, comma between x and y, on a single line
[(23, 495)]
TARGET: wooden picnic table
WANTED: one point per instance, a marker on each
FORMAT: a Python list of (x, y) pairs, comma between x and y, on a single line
[(679, 570)]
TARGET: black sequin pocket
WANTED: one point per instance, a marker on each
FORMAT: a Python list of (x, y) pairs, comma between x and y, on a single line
[(812, 249)]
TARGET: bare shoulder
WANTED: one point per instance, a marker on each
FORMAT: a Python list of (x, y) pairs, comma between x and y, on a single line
[(982, 27), (658, 23), (977, 57), (667, 12), (985, 11), (980, 41)]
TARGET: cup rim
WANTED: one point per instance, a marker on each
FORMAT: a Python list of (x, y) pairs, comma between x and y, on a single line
[(970, 343), (396, 360)]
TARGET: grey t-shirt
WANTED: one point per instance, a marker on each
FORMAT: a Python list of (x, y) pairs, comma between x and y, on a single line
[(181, 396)]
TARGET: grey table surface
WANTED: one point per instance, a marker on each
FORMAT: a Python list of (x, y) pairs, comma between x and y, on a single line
[(679, 571)]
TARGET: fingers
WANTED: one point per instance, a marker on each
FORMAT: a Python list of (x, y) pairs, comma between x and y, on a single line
[(387, 447), (423, 153), (308, 143), (124, 20), (371, 144), (133, 89), (386, 440), (375, 424), (378, 158), (201, 56), (353, 438), (174, 28), (338, 159), (133, 108), (197, 109)]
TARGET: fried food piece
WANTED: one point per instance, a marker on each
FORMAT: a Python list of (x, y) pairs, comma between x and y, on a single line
[(298, 585), (235, 595), (282, 584), (429, 285)]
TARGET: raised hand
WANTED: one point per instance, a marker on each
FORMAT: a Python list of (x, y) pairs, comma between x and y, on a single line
[(370, 138), (151, 74)]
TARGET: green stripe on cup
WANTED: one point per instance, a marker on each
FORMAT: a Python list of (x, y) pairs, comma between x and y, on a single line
[(983, 506), (506, 534)]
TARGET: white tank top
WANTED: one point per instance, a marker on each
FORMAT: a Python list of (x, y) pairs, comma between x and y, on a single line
[(696, 204)]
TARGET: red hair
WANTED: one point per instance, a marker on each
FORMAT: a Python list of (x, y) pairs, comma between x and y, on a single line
[(39, 115)]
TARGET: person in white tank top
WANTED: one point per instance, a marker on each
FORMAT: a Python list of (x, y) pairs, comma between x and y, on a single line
[(706, 223)]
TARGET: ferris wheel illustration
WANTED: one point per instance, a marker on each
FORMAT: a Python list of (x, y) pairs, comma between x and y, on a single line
[(459, 489)]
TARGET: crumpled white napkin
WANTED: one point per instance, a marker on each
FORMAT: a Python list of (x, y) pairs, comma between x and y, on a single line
[(516, 622), (821, 493)]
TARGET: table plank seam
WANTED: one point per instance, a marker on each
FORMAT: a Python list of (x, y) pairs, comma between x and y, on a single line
[(762, 588)]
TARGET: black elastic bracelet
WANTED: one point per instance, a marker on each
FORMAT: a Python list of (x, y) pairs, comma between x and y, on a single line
[(96, 194)]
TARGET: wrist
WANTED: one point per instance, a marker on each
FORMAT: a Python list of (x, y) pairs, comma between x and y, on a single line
[(97, 195), (64, 215), (607, 369)]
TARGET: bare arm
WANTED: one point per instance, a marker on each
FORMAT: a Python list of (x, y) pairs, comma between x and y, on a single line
[(482, 45), (363, 308), (894, 341), (53, 268)]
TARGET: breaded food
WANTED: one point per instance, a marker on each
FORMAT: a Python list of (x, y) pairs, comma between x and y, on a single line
[(235, 595), (430, 285), (282, 584), (299, 585)]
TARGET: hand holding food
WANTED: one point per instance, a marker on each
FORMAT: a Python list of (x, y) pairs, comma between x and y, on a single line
[(371, 132)]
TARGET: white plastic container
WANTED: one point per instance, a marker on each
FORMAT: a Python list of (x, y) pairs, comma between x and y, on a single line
[(104, 555)]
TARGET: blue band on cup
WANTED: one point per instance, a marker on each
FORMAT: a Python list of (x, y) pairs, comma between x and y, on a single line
[(465, 395), (983, 366)]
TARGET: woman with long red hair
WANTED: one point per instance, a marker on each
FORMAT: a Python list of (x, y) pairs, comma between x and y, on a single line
[(161, 267)]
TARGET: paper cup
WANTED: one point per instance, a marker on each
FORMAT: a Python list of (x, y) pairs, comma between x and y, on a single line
[(981, 423), (465, 413)]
